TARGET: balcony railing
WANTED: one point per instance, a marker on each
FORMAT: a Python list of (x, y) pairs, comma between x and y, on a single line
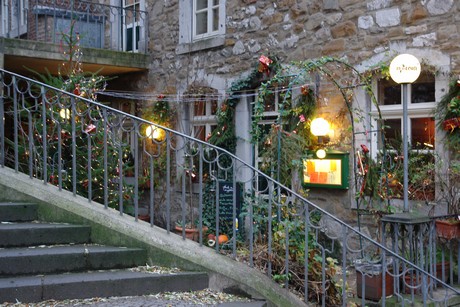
[(98, 25), (170, 179)]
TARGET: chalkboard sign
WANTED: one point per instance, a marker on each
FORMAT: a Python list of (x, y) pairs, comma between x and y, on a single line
[(226, 200)]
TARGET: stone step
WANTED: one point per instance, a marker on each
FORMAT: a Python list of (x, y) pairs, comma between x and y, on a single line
[(54, 259), (29, 289), (18, 211), (30, 234)]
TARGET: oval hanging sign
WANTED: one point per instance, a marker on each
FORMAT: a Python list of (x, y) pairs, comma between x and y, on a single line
[(405, 68)]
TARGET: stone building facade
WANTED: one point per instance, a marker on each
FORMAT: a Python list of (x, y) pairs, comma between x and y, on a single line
[(364, 33)]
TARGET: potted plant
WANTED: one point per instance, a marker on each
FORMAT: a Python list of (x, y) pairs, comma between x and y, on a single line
[(369, 281), (192, 232), (449, 193), (190, 226), (448, 113)]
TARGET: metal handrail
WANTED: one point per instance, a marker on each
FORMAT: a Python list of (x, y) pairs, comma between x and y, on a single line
[(37, 139)]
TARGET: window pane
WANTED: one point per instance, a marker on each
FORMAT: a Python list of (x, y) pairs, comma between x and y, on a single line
[(392, 131), (215, 19), (423, 89), (201, 4), (213, 107), (215, 2), (389, 92), (199, 132), (129, 17), (129, 39), (270, 103), (202, 23), (199, 108), (422, 133)]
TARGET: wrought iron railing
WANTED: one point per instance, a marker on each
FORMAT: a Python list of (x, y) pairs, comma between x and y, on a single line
[(98, 25), (169, 179)]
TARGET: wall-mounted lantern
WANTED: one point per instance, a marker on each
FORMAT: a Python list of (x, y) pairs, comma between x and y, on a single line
[(155, 133), (320, 127), (64, 113), (321, 153)]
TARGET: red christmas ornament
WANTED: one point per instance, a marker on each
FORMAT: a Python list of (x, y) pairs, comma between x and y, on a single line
[(90, 128), (76, 91), (304, 89), (264, 63)]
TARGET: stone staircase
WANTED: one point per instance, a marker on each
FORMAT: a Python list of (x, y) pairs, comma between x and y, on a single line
[(41, 261)]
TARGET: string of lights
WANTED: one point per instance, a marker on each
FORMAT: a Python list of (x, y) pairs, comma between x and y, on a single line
[(189, 97)]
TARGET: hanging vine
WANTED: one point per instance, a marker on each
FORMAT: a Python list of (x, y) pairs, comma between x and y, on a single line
[(224, 135)]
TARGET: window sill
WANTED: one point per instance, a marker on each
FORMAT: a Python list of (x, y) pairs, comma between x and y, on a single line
[(203, 44)]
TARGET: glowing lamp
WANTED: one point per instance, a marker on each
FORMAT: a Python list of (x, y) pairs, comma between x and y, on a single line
[(64, 113), (405, 68), (319, 127), (321, 153), (155, 133)]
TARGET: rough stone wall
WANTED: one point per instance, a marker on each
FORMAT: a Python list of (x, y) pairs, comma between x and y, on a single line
[(299, 30), (362, 32)]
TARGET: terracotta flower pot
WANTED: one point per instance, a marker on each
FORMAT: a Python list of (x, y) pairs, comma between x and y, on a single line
[(447, 229), (191, 233), (373, 284)]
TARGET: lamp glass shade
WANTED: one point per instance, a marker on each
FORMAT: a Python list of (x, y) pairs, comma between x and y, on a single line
[(405, 68), (154, 133), (319, 127), (64, 113), (321, 153)]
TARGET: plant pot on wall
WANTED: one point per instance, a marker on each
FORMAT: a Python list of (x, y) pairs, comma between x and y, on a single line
[(448, 229)]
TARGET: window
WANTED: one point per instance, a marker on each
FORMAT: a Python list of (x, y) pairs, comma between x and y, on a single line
[(14, 17), (270, 116), (205, 18), (203, 111), (421, 105), (23, 8), (19, 18), (133, 17), (201, 25), (3, 17)]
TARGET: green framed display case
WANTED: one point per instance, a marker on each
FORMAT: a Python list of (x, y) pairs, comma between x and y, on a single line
[(331, 172)]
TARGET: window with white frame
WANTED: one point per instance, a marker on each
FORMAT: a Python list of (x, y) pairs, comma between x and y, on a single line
[(205, 18), (23, 9), (201, 25), (14, 17), (133, 17), (203, 112), (421, 104), (3, 17), (424, 139), (269, 118)]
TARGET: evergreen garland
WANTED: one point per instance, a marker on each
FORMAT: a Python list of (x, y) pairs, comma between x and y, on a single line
[(224, 135)]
